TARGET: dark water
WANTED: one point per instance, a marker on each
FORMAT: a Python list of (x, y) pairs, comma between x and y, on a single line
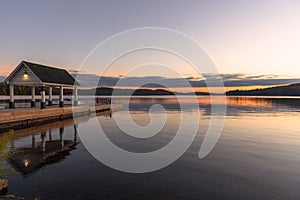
[(256, 157)]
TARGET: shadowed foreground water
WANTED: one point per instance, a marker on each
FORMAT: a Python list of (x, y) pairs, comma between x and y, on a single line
[(257, 156)]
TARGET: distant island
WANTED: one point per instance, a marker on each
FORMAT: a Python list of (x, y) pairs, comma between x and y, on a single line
[(99, 91), (288, 90), (105, 91)]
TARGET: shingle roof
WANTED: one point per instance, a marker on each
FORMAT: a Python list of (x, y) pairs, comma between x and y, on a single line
[(49, 74)]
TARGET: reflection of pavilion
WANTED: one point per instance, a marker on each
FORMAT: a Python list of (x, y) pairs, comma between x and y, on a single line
[(30, 159)]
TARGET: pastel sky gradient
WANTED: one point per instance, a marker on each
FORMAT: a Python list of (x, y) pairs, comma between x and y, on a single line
[(250, 37)]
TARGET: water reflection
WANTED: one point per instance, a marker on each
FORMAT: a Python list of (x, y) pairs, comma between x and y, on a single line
[(236, 106), (255, 158), (27, 160), (48, 144)]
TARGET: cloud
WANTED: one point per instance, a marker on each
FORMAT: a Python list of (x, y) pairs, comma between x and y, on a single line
[(230, 80), (74, 71), (254, 80)]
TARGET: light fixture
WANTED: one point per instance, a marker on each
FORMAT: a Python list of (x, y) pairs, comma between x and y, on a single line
[(25, 75), (26, 162)]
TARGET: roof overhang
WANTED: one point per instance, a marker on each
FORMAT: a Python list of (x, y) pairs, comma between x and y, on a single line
[(39, 83)]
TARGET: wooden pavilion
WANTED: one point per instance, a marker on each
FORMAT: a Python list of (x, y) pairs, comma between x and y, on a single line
[(36, 75)]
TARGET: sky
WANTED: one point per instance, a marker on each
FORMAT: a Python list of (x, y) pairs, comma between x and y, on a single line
[(257, 38)]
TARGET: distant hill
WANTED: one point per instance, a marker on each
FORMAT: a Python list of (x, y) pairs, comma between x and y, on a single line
[(101, 91), (194, 93), (289, 90), (2, 78), (104, 91)]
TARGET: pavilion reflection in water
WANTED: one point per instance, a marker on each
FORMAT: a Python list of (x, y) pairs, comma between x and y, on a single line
[(29, 159)]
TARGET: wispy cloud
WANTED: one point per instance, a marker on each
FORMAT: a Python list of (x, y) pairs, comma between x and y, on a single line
[(230, 80), (74, 71)]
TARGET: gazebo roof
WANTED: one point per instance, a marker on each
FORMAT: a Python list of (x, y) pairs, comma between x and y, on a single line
[(45, 74), (51, 74)]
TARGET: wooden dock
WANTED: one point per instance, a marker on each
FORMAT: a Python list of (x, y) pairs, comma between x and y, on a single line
[(26, 117)]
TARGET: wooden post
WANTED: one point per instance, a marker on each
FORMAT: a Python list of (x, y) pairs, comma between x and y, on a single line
[(61, 97), (43, 100), (33, 96), (75, 96), (12, 97), (50, 96)]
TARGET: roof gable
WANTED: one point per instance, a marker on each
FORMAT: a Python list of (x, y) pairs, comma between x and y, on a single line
[(49, 74), (18, 76)]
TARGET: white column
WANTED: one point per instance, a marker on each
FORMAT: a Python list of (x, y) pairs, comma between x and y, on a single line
[(33, 96), (43, 100), (61, 97), (75, 96), (50, 96), (12, 98)]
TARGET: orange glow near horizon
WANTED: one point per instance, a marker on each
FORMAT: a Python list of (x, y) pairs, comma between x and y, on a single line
[(6, 70), (201, 89), (218, 90)]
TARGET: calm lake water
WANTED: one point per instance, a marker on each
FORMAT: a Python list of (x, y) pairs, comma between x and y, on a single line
[(256, 157)]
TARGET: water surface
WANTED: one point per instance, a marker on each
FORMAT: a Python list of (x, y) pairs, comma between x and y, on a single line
[(256, 157)]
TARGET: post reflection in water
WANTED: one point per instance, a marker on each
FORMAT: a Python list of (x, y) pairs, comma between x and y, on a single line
[(29, 158)]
